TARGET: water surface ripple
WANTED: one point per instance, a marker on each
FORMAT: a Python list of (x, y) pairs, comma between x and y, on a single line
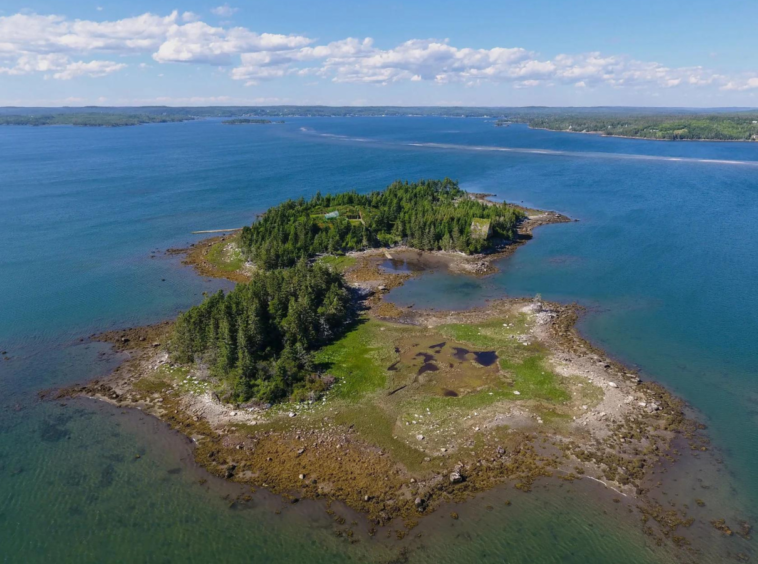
[(665, 255)]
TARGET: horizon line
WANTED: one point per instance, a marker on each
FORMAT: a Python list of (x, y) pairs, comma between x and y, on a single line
[(426, 106)]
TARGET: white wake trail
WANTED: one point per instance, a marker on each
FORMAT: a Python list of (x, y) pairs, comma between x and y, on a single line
[(586, 154)]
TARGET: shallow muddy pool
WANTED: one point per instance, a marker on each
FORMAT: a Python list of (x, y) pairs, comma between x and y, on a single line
[(443, 368)]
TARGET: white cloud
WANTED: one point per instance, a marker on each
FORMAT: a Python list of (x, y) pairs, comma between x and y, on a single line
[(61, 66), (443, 63), (741, 84), (359, 61), (527, 83), (58, 46), (225, 11), (199, 42), (92, 68), (29, 63), (28, 41), (21, 33)]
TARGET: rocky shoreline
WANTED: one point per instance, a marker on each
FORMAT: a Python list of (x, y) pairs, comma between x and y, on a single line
[(609, 426)]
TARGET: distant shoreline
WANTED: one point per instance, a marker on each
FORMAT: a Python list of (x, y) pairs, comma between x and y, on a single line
[(603, 134), (88, 120)]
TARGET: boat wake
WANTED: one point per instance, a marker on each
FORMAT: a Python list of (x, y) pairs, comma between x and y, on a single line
[(529, 151), (588, 154)]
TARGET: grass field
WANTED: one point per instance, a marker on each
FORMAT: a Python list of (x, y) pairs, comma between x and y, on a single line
[(338, 262), (385, 395), (226, 256)]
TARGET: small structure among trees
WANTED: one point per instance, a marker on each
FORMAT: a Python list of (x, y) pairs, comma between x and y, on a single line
[(481, 228)]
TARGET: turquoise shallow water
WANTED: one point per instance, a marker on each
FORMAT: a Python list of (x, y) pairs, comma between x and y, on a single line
[(664, 256)]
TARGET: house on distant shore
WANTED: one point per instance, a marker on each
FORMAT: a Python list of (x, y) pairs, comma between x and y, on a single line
[(481, 228), (332, 215)]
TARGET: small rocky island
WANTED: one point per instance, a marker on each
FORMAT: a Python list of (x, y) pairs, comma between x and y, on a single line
[(306, 380)]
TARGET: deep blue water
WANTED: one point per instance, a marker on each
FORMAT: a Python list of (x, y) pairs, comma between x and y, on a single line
[(665, 255)]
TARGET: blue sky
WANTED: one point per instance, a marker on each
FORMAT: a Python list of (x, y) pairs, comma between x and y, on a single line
[(190, 52)]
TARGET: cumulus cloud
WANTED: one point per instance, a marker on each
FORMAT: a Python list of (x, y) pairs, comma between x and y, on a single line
[(61, 66), (56, 34), (92, 68), (225, 11), (441, 62), (29, 63), (359, 61), (741, 84), (29, 41), (58, 46), (199, 42), (190, 17)]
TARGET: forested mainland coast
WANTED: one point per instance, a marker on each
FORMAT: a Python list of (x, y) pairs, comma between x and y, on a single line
[(720, 127), (670, 124), (307, 380)]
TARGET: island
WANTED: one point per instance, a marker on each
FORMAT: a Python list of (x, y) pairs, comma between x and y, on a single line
[(307, 380), (247, 121), (98, 119)]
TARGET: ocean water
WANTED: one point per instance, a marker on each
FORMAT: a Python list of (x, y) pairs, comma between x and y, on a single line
[(664, 256)]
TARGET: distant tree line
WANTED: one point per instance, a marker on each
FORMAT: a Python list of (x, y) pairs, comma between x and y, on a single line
[(257, 340), (649, 123), (427, 215)]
